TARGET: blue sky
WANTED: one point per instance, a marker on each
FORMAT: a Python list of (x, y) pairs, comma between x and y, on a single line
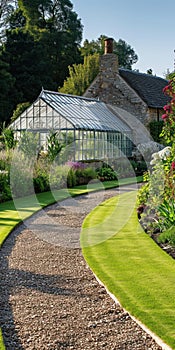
[(147, 25)]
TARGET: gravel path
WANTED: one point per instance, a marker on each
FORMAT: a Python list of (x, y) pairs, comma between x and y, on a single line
[(49, 298)]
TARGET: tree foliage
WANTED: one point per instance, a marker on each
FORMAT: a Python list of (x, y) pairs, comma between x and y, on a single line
[(6, 84), (126, 54), (6, 9), (42, 39), (81, 75)]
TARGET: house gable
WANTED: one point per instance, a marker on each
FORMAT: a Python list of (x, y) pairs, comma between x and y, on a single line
[(138, 93), (111, 88)]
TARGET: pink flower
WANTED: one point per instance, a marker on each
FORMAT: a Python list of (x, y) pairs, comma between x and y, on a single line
[(167, 108), (164, 116), (165, 89), (173, 165)]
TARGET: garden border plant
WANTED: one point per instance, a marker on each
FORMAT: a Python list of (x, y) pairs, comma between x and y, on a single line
[(156, 200)]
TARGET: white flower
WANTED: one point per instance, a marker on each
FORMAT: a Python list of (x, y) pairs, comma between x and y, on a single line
[(153, 162), (156, 155), (165, 152)]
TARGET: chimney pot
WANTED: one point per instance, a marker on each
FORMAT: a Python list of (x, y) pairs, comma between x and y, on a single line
[(108, 45)]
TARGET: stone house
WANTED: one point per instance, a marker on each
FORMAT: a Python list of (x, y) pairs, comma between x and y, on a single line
[(139, 94)]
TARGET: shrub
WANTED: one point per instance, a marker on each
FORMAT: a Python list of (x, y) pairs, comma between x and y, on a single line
[(83, 176), (5, 158), (58, 176), (156, 129), (54, 145), (71, 178), (41, 181), (140, 167), (21, 175), (106, 173), (5, 193), (167, 236), (8, 138), (167, 214), (41, 174), (143, 194), (89, 174)]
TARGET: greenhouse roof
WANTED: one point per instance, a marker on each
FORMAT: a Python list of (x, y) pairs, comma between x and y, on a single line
[(84, 113)]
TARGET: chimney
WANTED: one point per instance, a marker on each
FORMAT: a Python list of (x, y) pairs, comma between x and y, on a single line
[(108, 45), (108, 61)]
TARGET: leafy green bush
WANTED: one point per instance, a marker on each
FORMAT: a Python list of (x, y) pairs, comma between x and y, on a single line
[(155, 128), (5, 193), (21, 175), (7, 138), (71, 178), (58, 176), (167, 214), (41, 181), (54, 145), (5, 159), (139, 167), (89, 174), (41, 174), (143, 194), (84, 175), (167, 236), (106, 173)]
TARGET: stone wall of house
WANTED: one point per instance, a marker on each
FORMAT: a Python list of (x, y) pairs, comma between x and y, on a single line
[(154, 114), (111, 88)]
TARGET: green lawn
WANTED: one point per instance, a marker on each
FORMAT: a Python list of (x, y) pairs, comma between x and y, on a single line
[(11, 214), (131, 265)]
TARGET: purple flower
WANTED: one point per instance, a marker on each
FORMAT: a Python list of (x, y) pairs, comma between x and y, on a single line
[(76, 165)]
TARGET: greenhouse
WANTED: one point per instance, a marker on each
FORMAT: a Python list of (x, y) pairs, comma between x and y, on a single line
[(87, 125)]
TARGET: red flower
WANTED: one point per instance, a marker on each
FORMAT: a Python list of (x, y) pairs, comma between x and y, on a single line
[(167, 108), (167, 90), (173, 165), (164, 116)]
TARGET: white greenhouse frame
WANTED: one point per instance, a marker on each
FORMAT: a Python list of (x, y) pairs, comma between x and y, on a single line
[(97, 132)]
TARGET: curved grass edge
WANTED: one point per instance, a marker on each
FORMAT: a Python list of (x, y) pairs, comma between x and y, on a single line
[(10, 218), (132, 267)]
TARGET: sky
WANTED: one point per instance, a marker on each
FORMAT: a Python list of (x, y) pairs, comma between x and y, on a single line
[(148, 26)]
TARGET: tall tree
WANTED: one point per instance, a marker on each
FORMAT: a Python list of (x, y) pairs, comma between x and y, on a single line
[(6, 9), (126, 54), (42, 40), (6, 84)]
